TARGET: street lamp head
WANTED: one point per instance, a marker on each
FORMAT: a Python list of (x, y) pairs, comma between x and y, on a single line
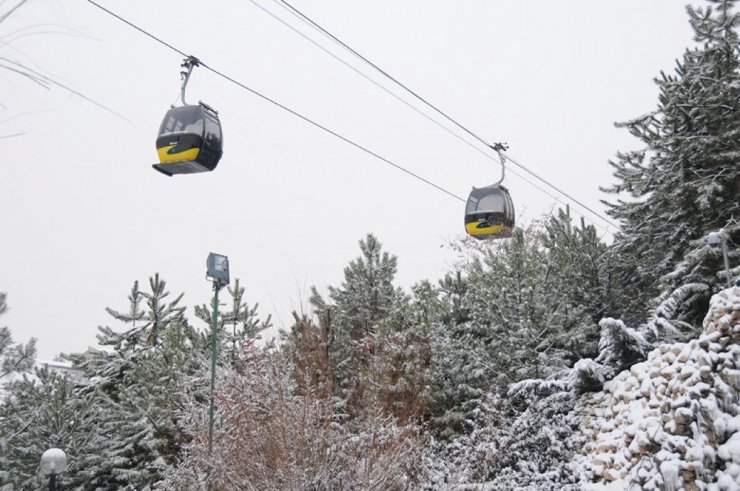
[(714, 239), (53, 461), (217, 267)]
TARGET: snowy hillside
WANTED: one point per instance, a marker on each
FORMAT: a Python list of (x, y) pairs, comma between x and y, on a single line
[(673, 421)]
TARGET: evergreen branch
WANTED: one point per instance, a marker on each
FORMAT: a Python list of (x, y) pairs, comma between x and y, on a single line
[(26, 425)]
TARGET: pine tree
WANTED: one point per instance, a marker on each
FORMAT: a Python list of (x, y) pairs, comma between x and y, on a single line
[(458, 377), (518, 311), (405, 354), (14, 358), (453, 288), (502, 309), (235, 327), (367, 293), (141, 379), (373, 337), (526, 308), (50, 411), (580, 269), (685, 182)]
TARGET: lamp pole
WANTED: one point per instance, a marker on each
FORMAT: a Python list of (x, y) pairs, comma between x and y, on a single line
[(719, 239), (727, 260), (214, 336), (217, 270)]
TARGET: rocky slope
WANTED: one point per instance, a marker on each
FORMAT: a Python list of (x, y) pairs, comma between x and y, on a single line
[(673, 421)]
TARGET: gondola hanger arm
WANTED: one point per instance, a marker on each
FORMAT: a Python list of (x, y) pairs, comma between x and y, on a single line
[(499, 148), (188, 64)]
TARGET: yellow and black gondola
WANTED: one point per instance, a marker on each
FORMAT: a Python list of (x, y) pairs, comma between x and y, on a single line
[(189, 140), (489, 213)]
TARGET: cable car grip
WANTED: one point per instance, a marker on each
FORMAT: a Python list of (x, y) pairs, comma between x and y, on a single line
[(499, 148), (189, 62)]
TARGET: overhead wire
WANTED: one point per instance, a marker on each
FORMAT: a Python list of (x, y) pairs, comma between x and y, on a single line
[(388, 91), (345, 139), (11, 10), (280, 105), (385, 89), (46, 82), (315, 25), (334, 133)]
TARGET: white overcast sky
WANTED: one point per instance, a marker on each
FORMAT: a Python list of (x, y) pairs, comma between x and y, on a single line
[(83, 215)]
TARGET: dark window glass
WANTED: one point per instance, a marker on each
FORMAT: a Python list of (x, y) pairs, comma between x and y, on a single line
[(185, 119), (213, 131), (472, 204), (492, 202), (509, 209)]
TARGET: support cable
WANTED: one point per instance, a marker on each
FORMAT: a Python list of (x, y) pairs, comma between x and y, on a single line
[(388, 91), (281, 106), (315, 25)]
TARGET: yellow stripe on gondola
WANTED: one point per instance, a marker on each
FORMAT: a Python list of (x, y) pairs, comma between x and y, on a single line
[(167, 158), (481, 228)]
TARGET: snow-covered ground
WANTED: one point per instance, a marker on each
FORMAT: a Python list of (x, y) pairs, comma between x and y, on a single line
[(673, 421)]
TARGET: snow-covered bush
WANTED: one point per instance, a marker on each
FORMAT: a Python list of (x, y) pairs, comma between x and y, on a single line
[(525, 448), (272, 436)]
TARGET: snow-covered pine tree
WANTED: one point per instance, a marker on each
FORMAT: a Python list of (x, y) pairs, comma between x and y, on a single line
[(458, 379), (235, 327), (525, 308), (619, 347), (453, 288), (367, 293), (685, 181), (405, 353), (50, 411), (354, 309), (507, 448), (505, 312), (580, 270), (518, 310), (14, 358), (141, 379), (371, 335)]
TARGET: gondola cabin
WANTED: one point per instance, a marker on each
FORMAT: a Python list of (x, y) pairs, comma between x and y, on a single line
[(189, 140), (489, 213)]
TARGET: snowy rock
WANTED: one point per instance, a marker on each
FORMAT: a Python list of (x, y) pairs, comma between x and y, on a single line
[(669, 357), (611, 475), (731, 377), (671, 479), (603, 459), (683, 355), (694, 453), (646, 388), (606, 447), (687, 371), (731, 449)]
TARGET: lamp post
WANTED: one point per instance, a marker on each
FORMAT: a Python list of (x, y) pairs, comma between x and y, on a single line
[(53, 462), (217, 270), (715, 239)]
